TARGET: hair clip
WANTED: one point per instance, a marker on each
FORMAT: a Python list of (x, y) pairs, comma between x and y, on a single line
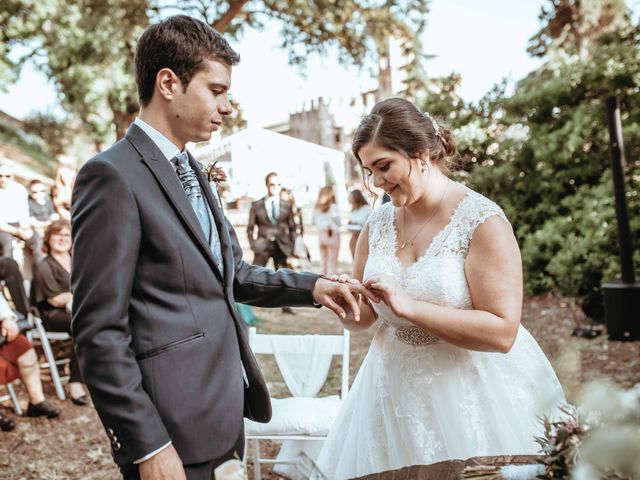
[(436, 127)]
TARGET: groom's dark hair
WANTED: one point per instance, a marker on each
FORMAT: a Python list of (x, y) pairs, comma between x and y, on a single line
[(180, 43)]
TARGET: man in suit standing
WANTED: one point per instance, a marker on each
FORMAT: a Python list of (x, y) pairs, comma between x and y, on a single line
[(157, 268), (276, 228)]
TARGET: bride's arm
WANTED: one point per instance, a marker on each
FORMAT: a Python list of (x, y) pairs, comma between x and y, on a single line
[(494, 273), (367, 315)]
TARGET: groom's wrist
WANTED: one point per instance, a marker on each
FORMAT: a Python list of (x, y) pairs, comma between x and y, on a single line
[(149, 455)]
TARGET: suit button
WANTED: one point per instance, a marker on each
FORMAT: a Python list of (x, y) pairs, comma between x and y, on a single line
[(113, 440), (109, 432), (116, 446)]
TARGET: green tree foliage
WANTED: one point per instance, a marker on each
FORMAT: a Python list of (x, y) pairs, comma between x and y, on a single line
[(57, 133), (542, 154), (86, 46)]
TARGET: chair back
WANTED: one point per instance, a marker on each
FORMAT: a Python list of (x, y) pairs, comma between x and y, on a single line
[(263, 343)]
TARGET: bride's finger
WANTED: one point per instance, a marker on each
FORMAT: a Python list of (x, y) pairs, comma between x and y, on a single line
[(380, 286), (373, 281), (372, 278), (362, 290)]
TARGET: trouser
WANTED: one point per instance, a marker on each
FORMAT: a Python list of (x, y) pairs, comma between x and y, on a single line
[(329, 242), (10, 273), (198, 471), (32, 253), (6, 244), (59, 320), (273, 251)]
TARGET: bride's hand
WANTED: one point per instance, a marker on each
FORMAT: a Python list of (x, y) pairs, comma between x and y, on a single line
[(390, 292)]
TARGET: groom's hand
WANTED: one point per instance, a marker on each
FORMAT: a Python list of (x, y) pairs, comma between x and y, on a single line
[(341, 296), (164, 465)]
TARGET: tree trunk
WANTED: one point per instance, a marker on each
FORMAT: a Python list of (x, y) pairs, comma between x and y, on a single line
[(123, 115), (235, 7), (384, 72)]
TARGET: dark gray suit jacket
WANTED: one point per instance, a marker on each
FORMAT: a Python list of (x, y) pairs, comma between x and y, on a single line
[(159, 342), (284, 230)]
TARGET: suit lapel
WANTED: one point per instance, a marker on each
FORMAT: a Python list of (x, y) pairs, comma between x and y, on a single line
[(218, 215), (166, 176)]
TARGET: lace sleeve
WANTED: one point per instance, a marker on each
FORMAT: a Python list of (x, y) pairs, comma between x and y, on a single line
[(480, 210), (471, 213), (380, 223)]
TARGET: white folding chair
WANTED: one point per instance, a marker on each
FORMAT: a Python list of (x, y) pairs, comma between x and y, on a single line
[(39, 333), (318, 413), (11, 394)]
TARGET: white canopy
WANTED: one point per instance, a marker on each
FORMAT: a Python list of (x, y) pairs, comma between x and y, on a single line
[(304, 167)]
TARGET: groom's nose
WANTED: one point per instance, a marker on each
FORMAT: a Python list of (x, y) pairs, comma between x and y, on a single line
[(225, 107)]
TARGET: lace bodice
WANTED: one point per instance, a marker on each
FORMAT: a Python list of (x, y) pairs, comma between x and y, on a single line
[(438, 275)]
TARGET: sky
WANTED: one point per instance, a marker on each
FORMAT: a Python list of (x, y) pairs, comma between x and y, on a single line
[(484, 41)]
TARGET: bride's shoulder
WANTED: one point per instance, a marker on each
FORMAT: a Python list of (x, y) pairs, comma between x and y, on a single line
[(480, 208)]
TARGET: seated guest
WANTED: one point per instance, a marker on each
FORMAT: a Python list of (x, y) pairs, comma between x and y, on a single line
[(65, 178), (41, 210), (19, 359), (50, 294), (14, 212)]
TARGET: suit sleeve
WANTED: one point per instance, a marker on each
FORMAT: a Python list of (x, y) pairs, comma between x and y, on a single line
[(106, 238), (251, 225), (264, 287)]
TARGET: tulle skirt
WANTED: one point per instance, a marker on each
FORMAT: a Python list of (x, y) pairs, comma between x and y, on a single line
[(417, 405)]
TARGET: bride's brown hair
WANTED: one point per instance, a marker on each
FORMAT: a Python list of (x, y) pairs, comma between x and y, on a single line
[(396, 124)]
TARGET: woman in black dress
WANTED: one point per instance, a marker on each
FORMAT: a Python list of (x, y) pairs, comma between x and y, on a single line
[(50, 294)]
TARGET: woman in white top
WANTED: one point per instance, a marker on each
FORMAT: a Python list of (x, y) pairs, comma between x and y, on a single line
[(360, 211), (326, 219)]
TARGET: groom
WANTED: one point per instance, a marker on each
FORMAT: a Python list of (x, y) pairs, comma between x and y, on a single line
[(157, 268)]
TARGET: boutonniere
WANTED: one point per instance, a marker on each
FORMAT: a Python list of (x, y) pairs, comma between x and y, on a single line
[(215, 174)]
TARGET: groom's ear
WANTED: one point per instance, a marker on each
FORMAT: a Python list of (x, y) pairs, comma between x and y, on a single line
[(167, 83)]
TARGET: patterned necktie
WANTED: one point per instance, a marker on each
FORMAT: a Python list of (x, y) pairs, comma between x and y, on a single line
[(193, 191)]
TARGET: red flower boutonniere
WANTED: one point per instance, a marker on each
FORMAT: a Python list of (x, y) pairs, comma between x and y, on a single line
[(215, 174)]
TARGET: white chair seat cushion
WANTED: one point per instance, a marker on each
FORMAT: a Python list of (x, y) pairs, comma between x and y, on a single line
[(298, 416)]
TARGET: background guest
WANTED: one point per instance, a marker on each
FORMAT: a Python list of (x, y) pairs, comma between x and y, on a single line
[(50, 294), (360, 211), (326, 218), (14, 212), (18, 359), (287, 195), (41, 210), (300, 258), (65, 178), (276, 229)]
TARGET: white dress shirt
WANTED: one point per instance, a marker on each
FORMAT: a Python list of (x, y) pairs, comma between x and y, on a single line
[(166, 146), (270, 202), (14, 204)]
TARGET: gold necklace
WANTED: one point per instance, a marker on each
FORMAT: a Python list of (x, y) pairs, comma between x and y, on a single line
[(435, 210)]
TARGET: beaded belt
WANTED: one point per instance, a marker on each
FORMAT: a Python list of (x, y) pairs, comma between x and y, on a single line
[(414, 336)]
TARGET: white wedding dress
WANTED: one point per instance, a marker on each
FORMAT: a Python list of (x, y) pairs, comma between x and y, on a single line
[(417, 400)]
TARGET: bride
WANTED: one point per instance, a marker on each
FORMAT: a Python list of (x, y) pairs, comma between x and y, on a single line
[(450, 373)]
